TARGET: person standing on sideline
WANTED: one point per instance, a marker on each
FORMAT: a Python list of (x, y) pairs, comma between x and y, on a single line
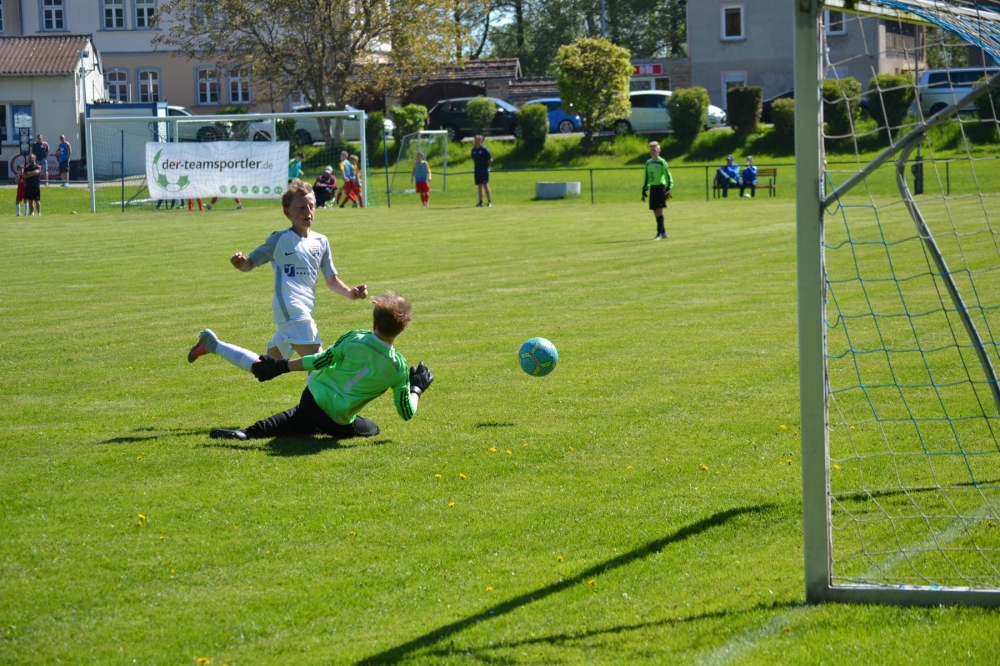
[(295, 167), (482, 160), (361, 366), (32, 185), (727, 175), (749, 179), (298, 255), (657, 183), (40, 150), (63, 153), (421, 176), (20, 190)]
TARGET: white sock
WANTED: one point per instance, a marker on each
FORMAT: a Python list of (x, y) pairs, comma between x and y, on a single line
[(238, 356)]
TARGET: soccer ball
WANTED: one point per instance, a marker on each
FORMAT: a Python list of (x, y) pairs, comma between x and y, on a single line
[(538, 357)]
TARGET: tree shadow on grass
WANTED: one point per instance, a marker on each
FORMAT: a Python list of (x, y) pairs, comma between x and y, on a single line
[(435, 636), (297, 446)]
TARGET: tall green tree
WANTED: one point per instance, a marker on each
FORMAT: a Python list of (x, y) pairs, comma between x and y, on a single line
[(593, 76), (330, 51)]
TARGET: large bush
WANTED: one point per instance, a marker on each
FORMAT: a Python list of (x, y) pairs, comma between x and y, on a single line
[(593, 77), (409, 119), (743, 108), (889, 99), (481, 111), (688, 109), (840, 105), (533, 122), (783, 116)]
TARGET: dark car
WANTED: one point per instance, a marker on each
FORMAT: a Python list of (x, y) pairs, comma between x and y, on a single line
[(767, 106), (452, 116)]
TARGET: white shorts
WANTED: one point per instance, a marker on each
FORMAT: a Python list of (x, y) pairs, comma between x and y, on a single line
[(290, 333)]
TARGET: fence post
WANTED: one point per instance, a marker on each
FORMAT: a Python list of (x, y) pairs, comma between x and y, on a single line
[(706, 183), (123, 171), (591, 187)]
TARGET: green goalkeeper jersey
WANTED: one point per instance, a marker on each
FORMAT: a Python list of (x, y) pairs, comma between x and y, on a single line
[(658, 173), (358, 368)]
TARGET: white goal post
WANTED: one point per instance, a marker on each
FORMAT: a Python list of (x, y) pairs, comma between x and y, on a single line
[(899, 317), (115, 145)]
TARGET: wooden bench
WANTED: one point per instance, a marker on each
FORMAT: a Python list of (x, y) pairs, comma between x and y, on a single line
[(767, 179)]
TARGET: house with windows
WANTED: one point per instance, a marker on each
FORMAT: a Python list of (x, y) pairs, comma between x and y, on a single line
[(134, 71), (733, 44), (45, 83)]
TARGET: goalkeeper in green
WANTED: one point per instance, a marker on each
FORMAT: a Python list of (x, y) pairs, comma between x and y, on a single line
[(657, 183), (359, 367)]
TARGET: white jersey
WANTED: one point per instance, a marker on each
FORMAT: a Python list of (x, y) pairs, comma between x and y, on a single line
[(297, 264)]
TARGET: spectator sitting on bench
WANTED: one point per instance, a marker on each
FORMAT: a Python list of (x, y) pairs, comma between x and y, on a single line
[(749, 179), (727, 175)]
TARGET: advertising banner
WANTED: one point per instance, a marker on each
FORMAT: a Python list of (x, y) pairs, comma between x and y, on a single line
[(245, 169)]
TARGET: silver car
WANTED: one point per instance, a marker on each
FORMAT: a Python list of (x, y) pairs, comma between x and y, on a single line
[(307, 129)]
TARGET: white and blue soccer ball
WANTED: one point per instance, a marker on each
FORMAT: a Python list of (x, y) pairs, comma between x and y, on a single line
[(538, 357)]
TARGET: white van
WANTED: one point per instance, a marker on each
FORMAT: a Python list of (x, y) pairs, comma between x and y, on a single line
[(939, 88)]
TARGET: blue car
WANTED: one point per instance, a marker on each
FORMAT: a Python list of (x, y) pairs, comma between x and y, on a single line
[(560, 120)]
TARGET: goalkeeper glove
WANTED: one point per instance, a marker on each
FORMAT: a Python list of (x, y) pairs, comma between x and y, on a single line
[(645, 191), (420, 378), (267, 368), (669, 195)]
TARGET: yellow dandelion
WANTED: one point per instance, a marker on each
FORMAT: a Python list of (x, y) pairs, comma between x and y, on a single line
[(138, 523), (163, 538), (489, 588), (437, 476), (836, 466), (509, 452), (462, 476), (138, 458), (630, 467), (451, 504), (370, 491), (572, 449), (789, 461), (204, 660), (142, 516), (853, 428), (591, 581), (173, 571), (493, 449), (783, 426), (703, 467), (559, 558), (525, 444), (717, 473), (236, 527), (352, 533), (787, 629)]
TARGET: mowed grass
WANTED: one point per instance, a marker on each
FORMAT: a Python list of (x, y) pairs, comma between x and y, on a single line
[(642, 504)]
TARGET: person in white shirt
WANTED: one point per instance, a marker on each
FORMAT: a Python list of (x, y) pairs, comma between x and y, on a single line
[(298, 255)]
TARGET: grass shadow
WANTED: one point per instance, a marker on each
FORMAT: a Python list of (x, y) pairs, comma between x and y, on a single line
[(305, 445), (153, 433), (437, 635)]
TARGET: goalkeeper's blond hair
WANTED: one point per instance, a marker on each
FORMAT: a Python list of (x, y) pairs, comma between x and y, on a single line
[(392, 313)]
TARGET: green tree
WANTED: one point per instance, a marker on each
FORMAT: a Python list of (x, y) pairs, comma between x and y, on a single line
[(330, 51), (593, 76)]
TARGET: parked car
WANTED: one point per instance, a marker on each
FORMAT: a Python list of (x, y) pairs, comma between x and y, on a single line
[(767, 106), (939, 88), (560, 120), (452, 115), (201, 131), (307, 129), (649, 113)]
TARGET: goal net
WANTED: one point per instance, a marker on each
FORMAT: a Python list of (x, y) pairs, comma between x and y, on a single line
[(118, 166), (898, 205), (433, 145)]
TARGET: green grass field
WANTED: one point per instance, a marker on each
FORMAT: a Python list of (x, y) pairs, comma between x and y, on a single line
[(640, 505)]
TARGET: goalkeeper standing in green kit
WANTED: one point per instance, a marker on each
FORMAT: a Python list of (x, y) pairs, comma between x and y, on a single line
[(359, 367), (657, 183)]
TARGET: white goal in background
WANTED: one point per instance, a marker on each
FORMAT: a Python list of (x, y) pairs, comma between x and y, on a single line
[(899, 314), (116, 147), (434, 145)]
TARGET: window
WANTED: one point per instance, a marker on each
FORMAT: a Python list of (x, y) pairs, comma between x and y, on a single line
[(114, 14), (833, 22), (145, 10), (1, 19), (53, 15), (732, 22), (116, 83), (208, 86), (149, 85), (4, 123), (239, 86)]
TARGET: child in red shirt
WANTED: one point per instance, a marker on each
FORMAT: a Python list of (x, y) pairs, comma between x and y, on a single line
[(20, 190)]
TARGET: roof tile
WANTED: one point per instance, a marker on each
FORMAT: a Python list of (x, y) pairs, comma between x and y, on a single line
[(42, 55)]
